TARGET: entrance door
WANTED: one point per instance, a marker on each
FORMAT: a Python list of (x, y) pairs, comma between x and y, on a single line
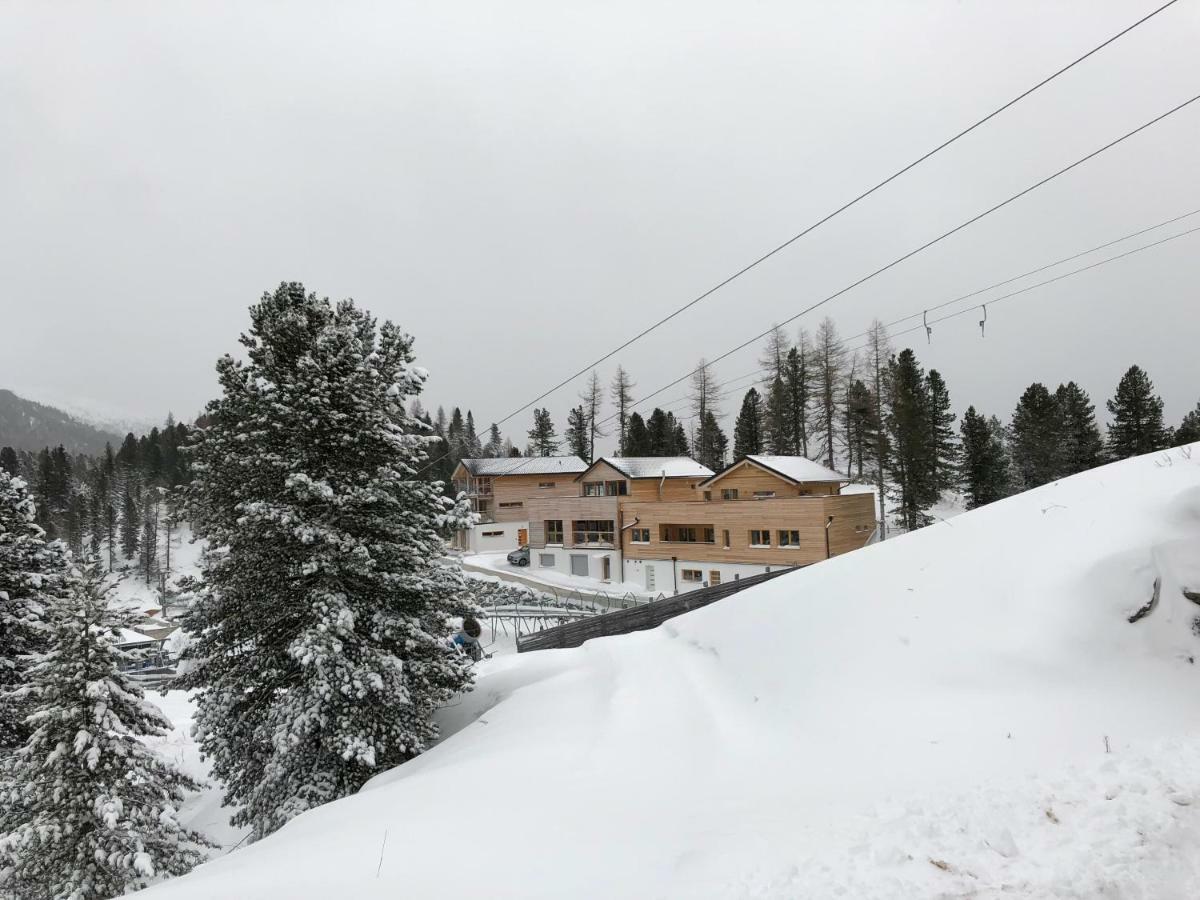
[(522, 537), (606, 569), (714, 576), (649, 578)]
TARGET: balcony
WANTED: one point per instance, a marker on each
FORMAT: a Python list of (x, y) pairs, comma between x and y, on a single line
[(592, 533)]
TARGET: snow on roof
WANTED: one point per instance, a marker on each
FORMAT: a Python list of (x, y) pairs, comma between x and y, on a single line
[(796, 468), (526, 465), (127, 637), (657, 466)]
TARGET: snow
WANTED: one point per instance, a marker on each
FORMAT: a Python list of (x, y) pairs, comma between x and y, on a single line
[(960, 711), (525, 465), (798, 468), (657, 466), (555, 581)]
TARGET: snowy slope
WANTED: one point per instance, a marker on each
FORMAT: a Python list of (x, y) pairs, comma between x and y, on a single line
[(922, 718)]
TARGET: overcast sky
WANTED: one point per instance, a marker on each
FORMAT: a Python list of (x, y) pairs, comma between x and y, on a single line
[(522, 186)]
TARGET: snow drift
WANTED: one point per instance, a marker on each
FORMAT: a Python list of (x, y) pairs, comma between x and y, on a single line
[(963, 710)]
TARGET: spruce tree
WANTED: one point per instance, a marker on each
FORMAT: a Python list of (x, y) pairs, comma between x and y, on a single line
[(711, 443), (577, 433), (31, 572), (1037, 437), (89, 810), (797, 378), (943, 442), (985, 466), (777, 426), (9, 461), (320, 632), (862, 427), (637, 438), (472, 448), (543, 440), (659, 434), (910, 440), (495, 443), (748, 430), (1082, 445), (1189, 429), (131, 524), (1137, 417)]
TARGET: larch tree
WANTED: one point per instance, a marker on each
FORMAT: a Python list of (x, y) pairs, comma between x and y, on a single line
[(710, 442), (621, 394), (1037, 437), (543, 439), (1137, 417), (90, 811), (1083, 447), (985, 465), (593, 402), (320, 630), (829, 355), (878, 352), (748, 430)]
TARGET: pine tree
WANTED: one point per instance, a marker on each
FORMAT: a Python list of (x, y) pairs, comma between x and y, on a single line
[(1082, 446), (1137, 417), (798, 384), (748, 430), (637, 438), (943, 443), (862, 427), (1189, 429), (910, 441), (90, 811), (320, 632), (472, 448), (985, 465), (31, 572), (543, 440), (577, 433), (1037, 437), (621, 394), (495, 444), (131, 524), (9, 461), (828, 360), (711, 443), (778, 435)]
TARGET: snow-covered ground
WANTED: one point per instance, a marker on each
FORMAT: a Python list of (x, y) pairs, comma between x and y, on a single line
[(554, 580), (960, 712)]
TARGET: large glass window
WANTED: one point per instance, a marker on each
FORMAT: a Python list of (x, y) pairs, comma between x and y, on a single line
[(687, 534), (592, 531), (554, 531), (605, 488)]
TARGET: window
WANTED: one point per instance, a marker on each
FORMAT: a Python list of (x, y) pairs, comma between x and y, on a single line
[(512, 504), (725, 536), (708, 495), (760, 538), (714, 576), (639, 535), (579, 564), (554, 531), (546, 560), (545, 484), (687, 534), (605, 488), (691, 575), (763, 495), (492, 533), (729, 493), (592, 531), (789, 538), (805, 493)]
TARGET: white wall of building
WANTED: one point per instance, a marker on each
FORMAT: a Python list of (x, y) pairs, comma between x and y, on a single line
[(559, 559), (495, 537), (656, 575)]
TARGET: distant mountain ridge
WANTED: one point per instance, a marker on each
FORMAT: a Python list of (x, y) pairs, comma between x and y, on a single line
[(27, 425)]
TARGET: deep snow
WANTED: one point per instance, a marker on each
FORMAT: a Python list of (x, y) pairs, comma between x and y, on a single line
[(925, 717)]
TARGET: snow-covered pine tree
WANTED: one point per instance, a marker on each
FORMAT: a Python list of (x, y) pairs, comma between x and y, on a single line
[(320, 631), (748, 429), (1137, 417), (985, 465), (89, 811), (944, 439), (32, 571)]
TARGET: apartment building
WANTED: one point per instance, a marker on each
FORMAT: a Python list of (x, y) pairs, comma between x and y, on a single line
[(671, 525), (500, 490)]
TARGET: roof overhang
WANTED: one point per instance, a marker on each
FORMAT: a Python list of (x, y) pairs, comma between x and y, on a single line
[(745, 460)]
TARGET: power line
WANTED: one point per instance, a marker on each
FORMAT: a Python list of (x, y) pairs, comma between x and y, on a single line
[(927, 245), (836, 212), (669, 404)]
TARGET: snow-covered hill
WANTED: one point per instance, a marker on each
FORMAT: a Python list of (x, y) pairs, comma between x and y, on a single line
[(927, 717)]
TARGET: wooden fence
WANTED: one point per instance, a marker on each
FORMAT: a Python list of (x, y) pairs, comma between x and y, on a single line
[(639, 618)]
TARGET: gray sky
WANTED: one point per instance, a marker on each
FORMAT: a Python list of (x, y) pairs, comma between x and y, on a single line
[(524, 185)]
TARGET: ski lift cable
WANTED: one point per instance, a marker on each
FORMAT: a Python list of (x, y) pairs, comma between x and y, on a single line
[(911, 253)]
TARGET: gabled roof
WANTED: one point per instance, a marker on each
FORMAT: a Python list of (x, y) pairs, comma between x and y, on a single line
[(652, 467), (796, 469), (524, 465)]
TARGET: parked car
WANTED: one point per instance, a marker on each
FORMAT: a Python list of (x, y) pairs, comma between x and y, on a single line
[(519, 557)]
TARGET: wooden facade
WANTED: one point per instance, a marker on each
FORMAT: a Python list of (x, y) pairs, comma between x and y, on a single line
[(506, 498), (656, 488), (569, 510), (749, 480), (730, 523)]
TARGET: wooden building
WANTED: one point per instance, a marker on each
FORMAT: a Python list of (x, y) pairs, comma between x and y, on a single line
[(500, 490)]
